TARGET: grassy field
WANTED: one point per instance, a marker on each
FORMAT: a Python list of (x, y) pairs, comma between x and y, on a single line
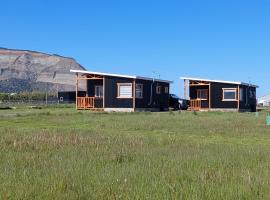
[(55, 153)]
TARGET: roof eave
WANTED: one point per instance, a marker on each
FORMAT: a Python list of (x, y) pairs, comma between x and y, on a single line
[(219, 81), (119, 75)]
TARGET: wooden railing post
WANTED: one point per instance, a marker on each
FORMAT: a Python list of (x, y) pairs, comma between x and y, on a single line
[(85, 102), (195, 104)]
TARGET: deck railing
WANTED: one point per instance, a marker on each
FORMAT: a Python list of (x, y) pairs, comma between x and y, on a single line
[(85, 102), (195, 104)]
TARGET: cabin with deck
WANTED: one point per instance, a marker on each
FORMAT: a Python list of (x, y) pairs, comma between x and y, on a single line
[(210, 95), (114, 92)]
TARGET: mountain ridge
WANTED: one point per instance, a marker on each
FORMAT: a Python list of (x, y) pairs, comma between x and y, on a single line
[(37, 70)]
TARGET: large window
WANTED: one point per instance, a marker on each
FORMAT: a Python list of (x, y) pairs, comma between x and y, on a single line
[(139, 90), (202, 94), (229, 94), (98, 91), (124, 90)]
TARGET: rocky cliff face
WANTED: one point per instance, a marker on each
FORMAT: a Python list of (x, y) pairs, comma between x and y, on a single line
[(22, 70)]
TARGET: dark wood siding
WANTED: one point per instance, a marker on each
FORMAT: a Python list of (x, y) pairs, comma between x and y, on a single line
[(193, 94), (160, 101), (111, 100), (247, 102), (91, 91), (69, 97), (217, 94), (249, 98)]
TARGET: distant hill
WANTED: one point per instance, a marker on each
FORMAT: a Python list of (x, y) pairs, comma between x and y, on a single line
[(26, 71)]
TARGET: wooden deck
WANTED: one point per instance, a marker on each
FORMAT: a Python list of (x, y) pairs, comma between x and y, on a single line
[(195, 105), (85, 103)]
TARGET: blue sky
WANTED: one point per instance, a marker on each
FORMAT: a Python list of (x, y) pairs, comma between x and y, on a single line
[(216, 39)]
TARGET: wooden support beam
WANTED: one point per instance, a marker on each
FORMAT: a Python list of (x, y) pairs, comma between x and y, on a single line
[(90, 77), (103, 92), (198, 83), (189, 88), (238, 101), (134, 94), (201, 84), (209, 96), (86, 92), (185, 89), (76, 78)]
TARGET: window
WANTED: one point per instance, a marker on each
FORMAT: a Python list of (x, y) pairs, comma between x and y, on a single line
[(166, 90), (229, 94), (158, 89), (124, 90), (98, 91), (139, 90), (202, 94)]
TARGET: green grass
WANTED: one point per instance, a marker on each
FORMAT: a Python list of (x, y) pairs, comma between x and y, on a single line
[(55, 153)]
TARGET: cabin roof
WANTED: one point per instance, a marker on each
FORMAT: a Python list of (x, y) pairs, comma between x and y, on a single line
[(119, 75), (219, 81)]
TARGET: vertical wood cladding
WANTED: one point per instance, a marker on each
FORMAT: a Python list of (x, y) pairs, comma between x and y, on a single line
[(69, 96), (217, 95), (248, 101), (160, 101), (91, 91), (111, 100), (193, 94), (249, 98)]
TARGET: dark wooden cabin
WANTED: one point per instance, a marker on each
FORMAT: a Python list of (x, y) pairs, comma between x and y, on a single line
[(113, 92), (69, 96), (207, 94)]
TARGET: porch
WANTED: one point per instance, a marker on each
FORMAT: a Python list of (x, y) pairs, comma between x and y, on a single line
[(195, 104), (94, 98), (199, 94), (85, 103)]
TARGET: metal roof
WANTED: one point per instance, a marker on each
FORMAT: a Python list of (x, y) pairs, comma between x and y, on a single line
[(219, 81), (120, 75)]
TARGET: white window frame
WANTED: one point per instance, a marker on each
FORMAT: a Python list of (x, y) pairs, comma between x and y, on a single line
[(229, 90), (158, 89), (139, 91), (124, 96), (100, 95)]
